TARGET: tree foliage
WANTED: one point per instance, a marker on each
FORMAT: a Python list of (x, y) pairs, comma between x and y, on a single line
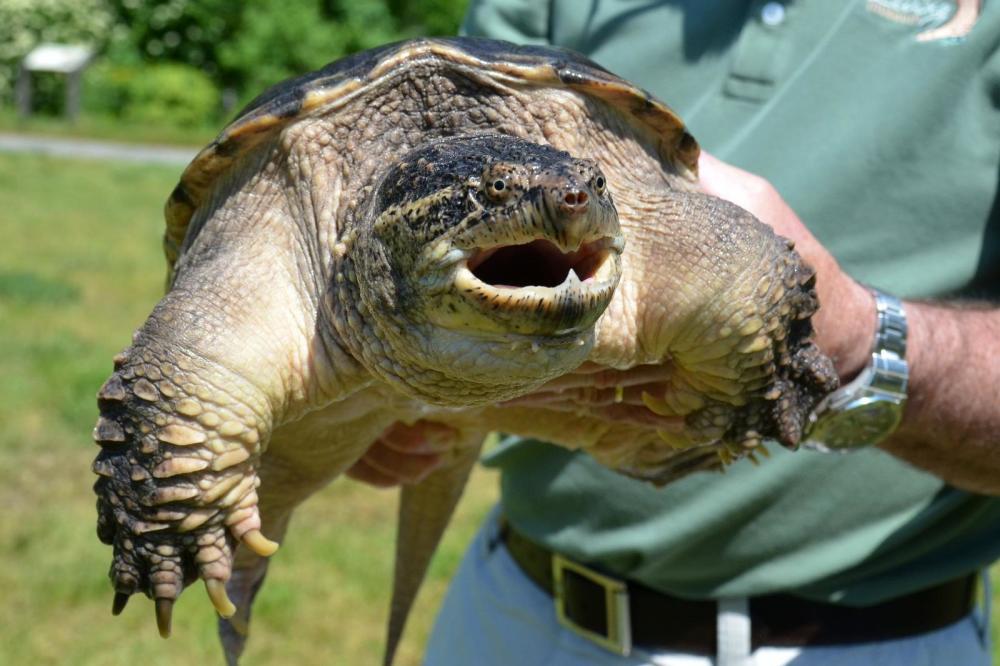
[(24, 24), (239, 46), (249, 45), (278, 39)]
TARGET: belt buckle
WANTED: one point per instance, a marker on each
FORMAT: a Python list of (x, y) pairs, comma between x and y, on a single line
[(616, 603)]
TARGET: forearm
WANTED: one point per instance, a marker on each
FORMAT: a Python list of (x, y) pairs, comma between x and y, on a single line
[(951, 426)]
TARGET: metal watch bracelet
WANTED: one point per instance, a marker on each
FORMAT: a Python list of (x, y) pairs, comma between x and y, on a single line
[(868, 409)]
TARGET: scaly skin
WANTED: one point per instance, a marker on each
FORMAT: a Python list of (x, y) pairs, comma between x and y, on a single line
[(320, 296), (171, 432)]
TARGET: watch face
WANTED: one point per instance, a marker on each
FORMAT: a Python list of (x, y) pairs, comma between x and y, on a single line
[(863, 423)]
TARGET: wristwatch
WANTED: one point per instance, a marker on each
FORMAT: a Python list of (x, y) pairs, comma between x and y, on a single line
[(869, 408)]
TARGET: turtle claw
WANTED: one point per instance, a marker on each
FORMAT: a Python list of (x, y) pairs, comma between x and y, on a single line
[(259, 544), (118, 605), (164, 614), (217, 593)]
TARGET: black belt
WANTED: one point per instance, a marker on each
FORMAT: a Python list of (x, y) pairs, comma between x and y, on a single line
[(617, 613)]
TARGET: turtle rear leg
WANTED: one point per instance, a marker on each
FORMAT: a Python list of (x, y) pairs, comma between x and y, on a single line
[(425, 509), (287, 483), (286, 490), (249, 571)]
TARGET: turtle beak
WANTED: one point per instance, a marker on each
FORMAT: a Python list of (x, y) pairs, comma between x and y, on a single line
[(569, 200)]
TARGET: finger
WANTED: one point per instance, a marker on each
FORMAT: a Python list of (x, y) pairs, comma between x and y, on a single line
[(588, 367), (407, 467), (585, 398), (541, 399), (638, 415), (616, 413), (610, 378), (423, 437), (365, 473), (725, 181)]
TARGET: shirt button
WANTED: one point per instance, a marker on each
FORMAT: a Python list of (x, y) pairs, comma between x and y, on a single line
[(773, 14)]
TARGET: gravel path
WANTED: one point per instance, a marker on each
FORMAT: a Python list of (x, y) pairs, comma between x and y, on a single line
[(97, 150)]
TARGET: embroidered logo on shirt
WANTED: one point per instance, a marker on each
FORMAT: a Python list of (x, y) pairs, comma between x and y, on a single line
[(942, 19)]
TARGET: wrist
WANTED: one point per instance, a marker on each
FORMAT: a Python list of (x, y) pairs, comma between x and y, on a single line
[(868, 409), (845, 328)]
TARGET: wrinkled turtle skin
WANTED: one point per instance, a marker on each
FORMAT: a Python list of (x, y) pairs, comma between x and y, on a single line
[(422, 231)]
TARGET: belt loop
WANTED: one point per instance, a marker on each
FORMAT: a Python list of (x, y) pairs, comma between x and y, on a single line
[(496, 530), (984, 609), (733, 632)]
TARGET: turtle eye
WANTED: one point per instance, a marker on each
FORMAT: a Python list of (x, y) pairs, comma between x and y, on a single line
[(498, 189), (600, 184)]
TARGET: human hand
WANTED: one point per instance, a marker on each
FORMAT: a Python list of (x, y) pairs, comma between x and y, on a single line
[(404, 454), (845, 321), (623, 396)]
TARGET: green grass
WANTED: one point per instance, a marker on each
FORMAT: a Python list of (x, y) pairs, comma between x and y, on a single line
[(90, 126), (80, 267)]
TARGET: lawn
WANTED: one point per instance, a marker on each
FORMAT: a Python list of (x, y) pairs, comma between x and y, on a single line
[(80, 266), (89, 126)]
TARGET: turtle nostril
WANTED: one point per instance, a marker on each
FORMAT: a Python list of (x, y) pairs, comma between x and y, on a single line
[(575, 198)]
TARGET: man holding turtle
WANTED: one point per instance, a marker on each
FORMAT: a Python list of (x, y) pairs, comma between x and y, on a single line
[(876, 122)]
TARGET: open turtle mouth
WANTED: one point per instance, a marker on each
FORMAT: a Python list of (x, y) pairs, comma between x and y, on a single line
[(540, 263), (539, 289)]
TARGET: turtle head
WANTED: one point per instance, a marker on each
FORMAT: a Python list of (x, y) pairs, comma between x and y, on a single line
[(489, 252)]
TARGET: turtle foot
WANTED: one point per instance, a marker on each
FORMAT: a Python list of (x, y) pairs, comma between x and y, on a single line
[(177, 486)]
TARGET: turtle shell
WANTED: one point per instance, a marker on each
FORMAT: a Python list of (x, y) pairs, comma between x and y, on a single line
[(321, 92)]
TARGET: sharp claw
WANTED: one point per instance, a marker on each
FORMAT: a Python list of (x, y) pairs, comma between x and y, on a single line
[(118, 605), (217, 593), (259, 543), (657, 405), (674, 440), (164, 611)]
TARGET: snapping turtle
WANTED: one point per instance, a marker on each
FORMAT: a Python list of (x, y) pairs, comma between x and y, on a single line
[(422, 231)]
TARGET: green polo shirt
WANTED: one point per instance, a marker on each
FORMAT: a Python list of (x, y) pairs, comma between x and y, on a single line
[(888, 147)]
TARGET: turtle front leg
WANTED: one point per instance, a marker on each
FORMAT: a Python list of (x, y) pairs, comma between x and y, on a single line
[(230, 353), (728, 303), (180, 439)]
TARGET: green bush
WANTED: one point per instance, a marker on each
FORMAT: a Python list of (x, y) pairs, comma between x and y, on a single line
[(182, 31), (428, 17), (157, 94), (246, 46), (186, 45), (278, 39), (24, 24), (172, 94), (106, 88)]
